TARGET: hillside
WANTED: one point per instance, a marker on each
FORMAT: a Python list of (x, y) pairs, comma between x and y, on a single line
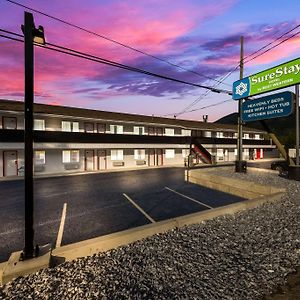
[(284, 128)]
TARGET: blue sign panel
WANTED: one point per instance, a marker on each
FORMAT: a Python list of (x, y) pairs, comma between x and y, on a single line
[(273, 106)]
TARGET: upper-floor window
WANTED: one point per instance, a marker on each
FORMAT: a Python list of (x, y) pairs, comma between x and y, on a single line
[(170, 153), (116, 154), (139, 130), (246, 136), (9, 123), (207, 133), (117, 129), (139, 154), (70, 126), (39, 124), (39, 157), (70, 156), (219, 134), (251, 136), (186, 132), (101, 128), (89, 127), (227, 134), (169, 131)]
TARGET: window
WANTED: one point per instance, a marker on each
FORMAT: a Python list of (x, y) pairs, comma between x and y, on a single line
[(89, 127), (257, 137), (185, 153), (139, 130), (70, 126), (116, 129), (246, 136), (39, 157), (207, 133), (139, 154), (101, 128), (170, 153), (116, 154), (75, 126), (169, 131), (65, 126), (9, 123), (185, 132), (219, 134), (70, 156), (39, 124)]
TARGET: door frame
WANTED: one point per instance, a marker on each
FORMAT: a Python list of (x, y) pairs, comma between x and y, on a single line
[(4, 161), (149, 157), (85, 160), (105, 159), (161, 155)]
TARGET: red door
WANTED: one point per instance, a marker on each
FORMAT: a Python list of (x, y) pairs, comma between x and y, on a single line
[(257, 153)]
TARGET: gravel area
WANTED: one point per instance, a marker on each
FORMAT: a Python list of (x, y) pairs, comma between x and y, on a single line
[(244, 256)]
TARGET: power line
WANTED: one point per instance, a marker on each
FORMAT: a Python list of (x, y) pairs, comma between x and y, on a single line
[(86, 56), (273, 47), (115, 41), (203, 107), (257, 51), (269, 44)]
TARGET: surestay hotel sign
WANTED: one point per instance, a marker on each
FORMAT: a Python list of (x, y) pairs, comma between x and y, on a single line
[(275, 78)]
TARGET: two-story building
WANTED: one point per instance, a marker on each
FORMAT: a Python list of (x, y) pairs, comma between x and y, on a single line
[(71, 139)]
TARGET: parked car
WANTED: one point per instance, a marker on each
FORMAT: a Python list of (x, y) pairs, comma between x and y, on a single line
[(280, 165)]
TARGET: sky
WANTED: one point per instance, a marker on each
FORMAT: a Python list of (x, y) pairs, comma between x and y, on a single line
[(201, 36)]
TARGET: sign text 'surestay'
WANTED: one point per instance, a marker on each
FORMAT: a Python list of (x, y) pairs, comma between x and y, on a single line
[(284, 75)]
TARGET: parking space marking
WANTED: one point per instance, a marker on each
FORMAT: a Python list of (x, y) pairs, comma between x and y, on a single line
[(187, 197), (61, 226), (139, 208)]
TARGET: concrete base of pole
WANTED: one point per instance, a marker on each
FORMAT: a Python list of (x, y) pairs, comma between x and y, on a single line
[(294, 172), (240, 166)]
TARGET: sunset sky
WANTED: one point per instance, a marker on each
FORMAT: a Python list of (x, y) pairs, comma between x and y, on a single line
[(199, 35)]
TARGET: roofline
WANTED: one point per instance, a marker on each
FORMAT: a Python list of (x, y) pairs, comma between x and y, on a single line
[(68, 111)]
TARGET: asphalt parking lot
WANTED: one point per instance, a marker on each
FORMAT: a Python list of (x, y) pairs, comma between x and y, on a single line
[(99, 204)]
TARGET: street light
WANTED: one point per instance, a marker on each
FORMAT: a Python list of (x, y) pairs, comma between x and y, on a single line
[(31, 35)]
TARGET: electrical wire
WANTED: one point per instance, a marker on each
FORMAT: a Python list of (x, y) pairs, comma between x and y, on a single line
[(248, 56), (114, 41), (86, 56)]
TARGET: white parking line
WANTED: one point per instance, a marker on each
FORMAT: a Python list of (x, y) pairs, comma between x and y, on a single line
[(61, 226), (139, 208), (187, 197)]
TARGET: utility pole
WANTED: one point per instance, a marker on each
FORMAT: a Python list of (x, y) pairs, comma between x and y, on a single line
[(31, 35), (238, 166), (28, 136)]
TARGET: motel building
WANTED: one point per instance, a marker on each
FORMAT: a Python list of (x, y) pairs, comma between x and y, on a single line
[(68, 140)]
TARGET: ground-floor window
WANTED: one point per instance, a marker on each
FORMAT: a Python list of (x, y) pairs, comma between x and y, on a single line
[(39, 157), (70, 156), (116, 154), (170, 153), (139, 154)]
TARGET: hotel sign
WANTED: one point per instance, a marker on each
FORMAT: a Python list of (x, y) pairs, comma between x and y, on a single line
[(278, 77), (274, 106)]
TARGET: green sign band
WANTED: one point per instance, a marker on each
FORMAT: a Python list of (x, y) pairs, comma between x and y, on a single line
[(275, 78)]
